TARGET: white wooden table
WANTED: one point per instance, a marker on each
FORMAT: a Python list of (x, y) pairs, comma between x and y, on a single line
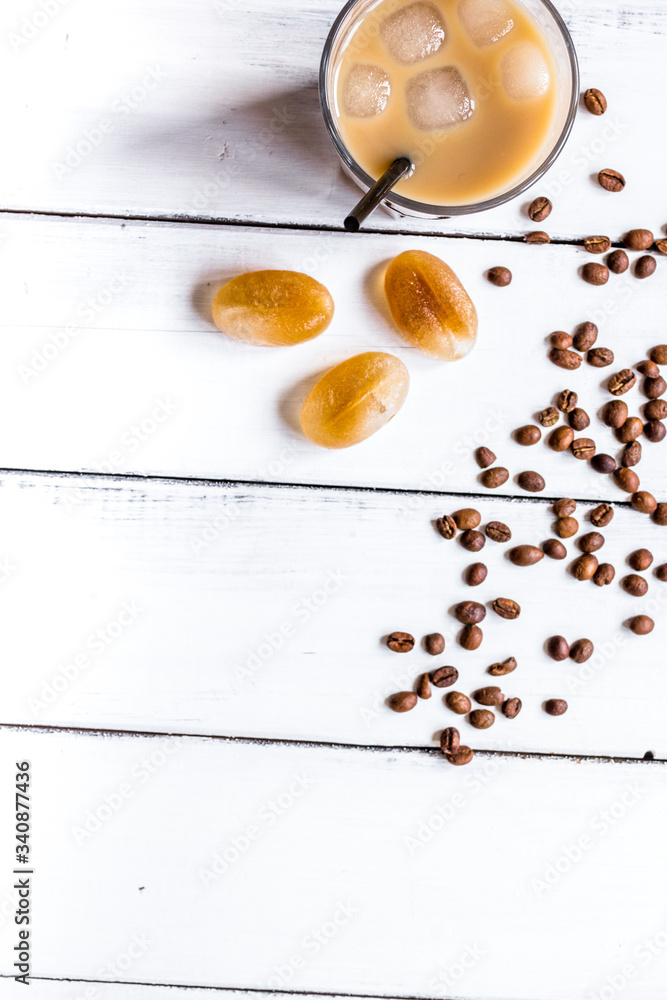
[(193, 598)]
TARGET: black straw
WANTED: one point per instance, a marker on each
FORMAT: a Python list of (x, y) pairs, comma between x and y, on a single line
[(370, 201)]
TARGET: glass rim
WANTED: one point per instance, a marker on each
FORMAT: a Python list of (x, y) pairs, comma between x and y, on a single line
[(422, 208)]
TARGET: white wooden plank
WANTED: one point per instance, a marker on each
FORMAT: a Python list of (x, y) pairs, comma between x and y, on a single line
[(212, 110), (261, 611), (331, 856), (45, 989), (111, 361)]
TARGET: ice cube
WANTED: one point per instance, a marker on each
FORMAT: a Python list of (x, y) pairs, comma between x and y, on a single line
[(414, 32), (485, 20), (525, 73), (438, 99), (366, 91)]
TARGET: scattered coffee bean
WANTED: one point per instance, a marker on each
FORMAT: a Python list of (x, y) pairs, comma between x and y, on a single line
[(444, 677), (640, 560), (604, 575), (554, 549), (401, 642), (653, 388), (644, 502), (566, 527), (595, 274), (434, 643), (627, 480), (539, 236), (591, 542), (558, 647), (618, 261), (581, 650), (459, 703), (641, 625), (424, 687), (491, 697), (493, 478), (648, 368), (484, 457), (565, 359), (531, 482), (632, 454), (481, 718), (472, 540), (499, 276), (595, 101), (508, 666), (621, 382), (585, 336), (470, 612), (446, 526), (565, 507), (611, 180), (506, 608), (661, 573), (597, 244), (555, 706), (511, 708), (630, 431), (579, 419), (600, 357), (604, 464), (460, 757), (561, 340), (654, 430), (659, 354), (634, 585), (526, 555), (638, 239), (549, 416), (450, 740), (471, 637), (615, 413), (602, 515), (583, 448), (498, 532), (645, 266), (404, 701), (527, 435), (660, 514), (661, 246), (585, 567), (561, 438), (567, 400), (476, 574), (540, 209), (467, 518)]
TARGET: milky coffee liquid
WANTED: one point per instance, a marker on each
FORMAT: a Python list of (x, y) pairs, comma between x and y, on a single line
[(466, 89)]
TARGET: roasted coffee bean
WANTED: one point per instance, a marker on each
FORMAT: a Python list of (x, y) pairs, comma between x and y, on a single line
[(638, 239), (404, 701), (526, 555), (459, 703), (661, 246), (627, 480), (566, 527), (511, 708), (591, 542), (531, 482), (600, 357), (424, 687), (561, 438), (506, 608), (473, 540), (561, 340), (450, 740), (527, 435), (645, 266), (660, 514), (466, 518), (644, 502), (585, 336), (470, 613), (444, 677), (653, 388), (539, 236), (493, 478), (595, 274), (481, 718), (565, 507), (648, 368), (579, 419), (555, 706), (401, 642), (630, 431), (632, 454), (634, 585), (567, 400), (558, 647), (618, 261), (597, 244), (508, 666), (611, 180), (581, 650), (460, 757), (585, 567), (484, 457), (654, 431), (615, 413), (446, 526), (604, 464), (621, 382), (565, 359), (659, 354), (498, 532), (595, 101), (554, 549), (583, 448), (434, 643), (604, 575), (656, 409), (661, 573), (476, 574), (491, 697), (602, 515), (471, 637), (641, 625), (540, 209), (549, 416), (640, 560), (499, 276)]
